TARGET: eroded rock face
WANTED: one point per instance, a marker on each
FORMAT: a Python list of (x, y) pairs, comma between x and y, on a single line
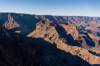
[(11, 23), (50, 34), (18, 50), (69, 33), (46, 31)]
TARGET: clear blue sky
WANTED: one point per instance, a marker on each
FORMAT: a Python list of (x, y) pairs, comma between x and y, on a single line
[(52, 7)]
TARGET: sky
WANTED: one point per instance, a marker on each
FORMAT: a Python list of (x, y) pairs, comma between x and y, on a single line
[(52, 7)]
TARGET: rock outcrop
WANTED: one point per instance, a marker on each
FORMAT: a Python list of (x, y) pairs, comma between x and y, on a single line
[(43, 37)]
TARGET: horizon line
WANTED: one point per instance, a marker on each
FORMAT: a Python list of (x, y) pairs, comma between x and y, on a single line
[(50, 14)]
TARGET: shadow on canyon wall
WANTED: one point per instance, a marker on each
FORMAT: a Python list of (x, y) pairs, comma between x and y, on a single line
[(19, 50)]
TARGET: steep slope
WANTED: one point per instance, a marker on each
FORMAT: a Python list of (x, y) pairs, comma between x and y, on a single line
[(45, 30), (11, 23), (18, 50), (49, 33), (24, 22), (77, 35)]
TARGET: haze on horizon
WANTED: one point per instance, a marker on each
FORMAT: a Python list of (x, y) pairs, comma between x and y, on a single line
[(52, 7)]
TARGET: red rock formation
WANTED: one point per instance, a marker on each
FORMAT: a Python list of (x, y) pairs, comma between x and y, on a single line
[(76, 27), (50, 34), (11, 23)]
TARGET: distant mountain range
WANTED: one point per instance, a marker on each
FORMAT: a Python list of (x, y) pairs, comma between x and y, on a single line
[(75, 35)]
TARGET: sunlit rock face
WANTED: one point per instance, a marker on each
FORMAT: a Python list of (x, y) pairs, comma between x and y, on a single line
[(78, 35)]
